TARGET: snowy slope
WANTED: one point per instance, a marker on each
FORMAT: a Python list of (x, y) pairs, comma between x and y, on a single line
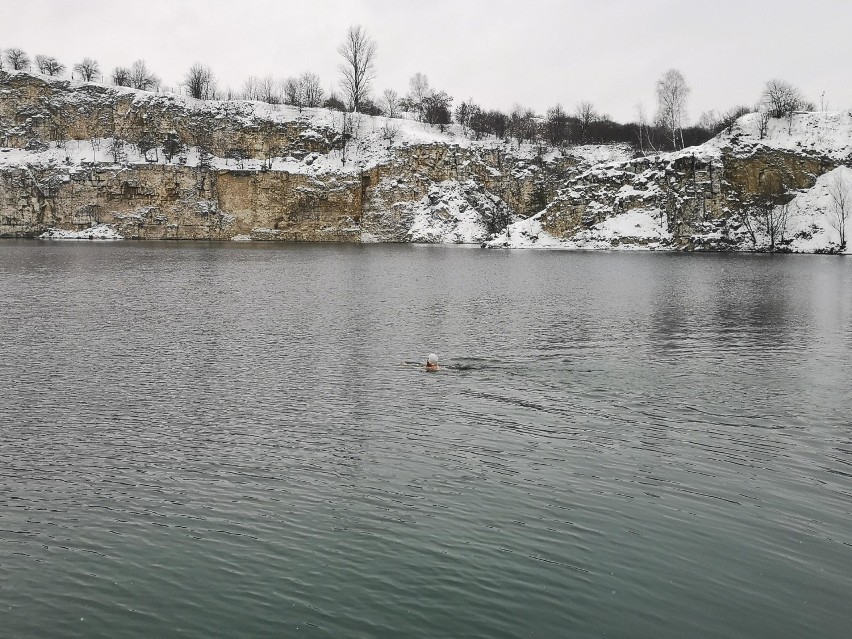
[(811, 226)]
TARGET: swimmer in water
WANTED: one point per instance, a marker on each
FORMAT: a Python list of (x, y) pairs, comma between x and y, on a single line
[(432, 362)]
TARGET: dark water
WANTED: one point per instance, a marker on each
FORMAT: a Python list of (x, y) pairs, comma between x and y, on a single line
[(226, 441)]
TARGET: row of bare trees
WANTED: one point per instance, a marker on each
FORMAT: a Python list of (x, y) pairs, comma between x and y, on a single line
[(136, 76), (302, 91), (18, 60), (666, 131)]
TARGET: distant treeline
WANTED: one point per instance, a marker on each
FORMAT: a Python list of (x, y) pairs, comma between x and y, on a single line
[(556, 127)]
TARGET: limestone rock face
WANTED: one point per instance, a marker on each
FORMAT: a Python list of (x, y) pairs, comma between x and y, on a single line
[(37, 109), (774, 171), (159, 166), (169, 167), (686, 189)]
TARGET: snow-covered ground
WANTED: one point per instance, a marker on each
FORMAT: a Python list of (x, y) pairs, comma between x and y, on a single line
[(97, 232), (635, 229), (455, 213), (824, 133), (814, 222), (602, 153)]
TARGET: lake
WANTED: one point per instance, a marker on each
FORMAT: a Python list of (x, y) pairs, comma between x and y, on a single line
[(239, 440)]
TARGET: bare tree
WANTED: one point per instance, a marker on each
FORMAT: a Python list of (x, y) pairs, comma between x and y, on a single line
[(200, 82), (250, 89), (463, 113), (390, 131), (48, 65), (522, 124), (672, 93), (729, 118), (270, 90), (763, 118), (840, 191), (781, 98), (41, 63), (775, 223), (557, 125), (17, 58), (476, 119), (96, 146), (171, 145), (764, 213), (291, 92), (644, 130), (311, 89), (359, 67), (121, 77), (88, 69), (709, 120), (141, 77), (390, 102), (418, 91), (115, 148), (586, 114), (436, 109)]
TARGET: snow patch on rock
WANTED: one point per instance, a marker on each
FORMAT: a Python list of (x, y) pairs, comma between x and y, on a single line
[(455, 213), (813, 223), (635, 229), (638, 228), (97, 232)]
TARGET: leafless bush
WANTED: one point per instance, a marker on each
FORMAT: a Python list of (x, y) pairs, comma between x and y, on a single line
[(200, 82), (17, 58), (88, 69)]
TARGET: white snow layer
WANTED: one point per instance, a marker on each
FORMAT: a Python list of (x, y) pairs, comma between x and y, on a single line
[(635, 229), (814, 222), (451, 213), (97, 232)]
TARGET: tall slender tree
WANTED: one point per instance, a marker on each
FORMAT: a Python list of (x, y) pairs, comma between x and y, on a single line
[(672, 93), (359, 65), (840, 191)]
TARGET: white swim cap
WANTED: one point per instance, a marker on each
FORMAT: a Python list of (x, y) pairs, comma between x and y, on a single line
[(432, 359)]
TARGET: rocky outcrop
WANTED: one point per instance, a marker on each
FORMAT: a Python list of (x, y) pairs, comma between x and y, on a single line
[(159, 166), (702, 198), (34, 110)]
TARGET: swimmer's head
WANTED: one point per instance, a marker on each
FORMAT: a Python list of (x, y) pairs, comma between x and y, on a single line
[(432, 360)]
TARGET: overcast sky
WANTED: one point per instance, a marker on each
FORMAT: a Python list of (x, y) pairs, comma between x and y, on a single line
[(533, 52)]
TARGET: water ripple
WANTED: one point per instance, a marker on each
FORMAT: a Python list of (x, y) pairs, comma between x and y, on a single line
[(240, 441)]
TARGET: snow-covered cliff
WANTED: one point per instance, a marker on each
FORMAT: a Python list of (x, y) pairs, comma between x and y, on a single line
[(136, 164), (743, 190)]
